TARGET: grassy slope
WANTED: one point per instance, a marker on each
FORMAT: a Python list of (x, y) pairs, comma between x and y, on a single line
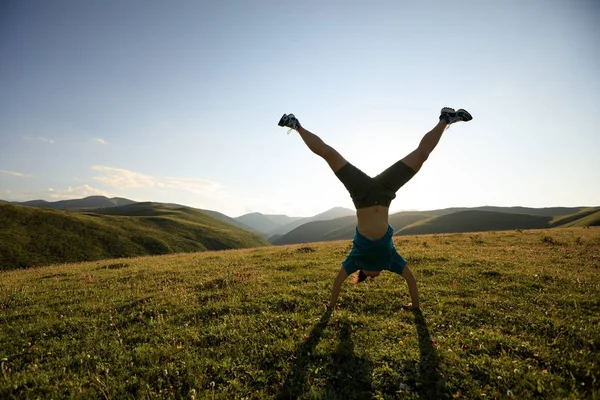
[(339, 229), (503, 313), (450, 220), (229, 220), (546, 211), (577, 219), (32, 236), (475, 221), (319, 231), (590, 220)]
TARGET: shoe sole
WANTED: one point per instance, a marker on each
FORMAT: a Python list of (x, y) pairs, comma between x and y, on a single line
[(280, 123), (447, 110), (464, 115)]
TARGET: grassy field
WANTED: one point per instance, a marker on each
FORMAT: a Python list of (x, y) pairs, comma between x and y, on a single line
[(509, 314)]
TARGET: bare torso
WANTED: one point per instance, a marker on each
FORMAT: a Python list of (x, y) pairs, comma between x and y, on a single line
[(372, 221)]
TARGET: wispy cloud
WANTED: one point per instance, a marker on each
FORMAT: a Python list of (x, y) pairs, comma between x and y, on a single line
[(13, 173), (124, 179), (100, 140), (194, 185), (76, 192), (45, 140)]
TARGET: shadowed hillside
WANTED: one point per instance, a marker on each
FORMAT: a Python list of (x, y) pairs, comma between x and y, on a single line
[(545, 211), (475, 221), (276, 225), (339, 229), (227, 219), (413, 223), (336, 212), (260, 222), (589, 220), (449, 220), (586, 217), (318, 231), (31, 236)]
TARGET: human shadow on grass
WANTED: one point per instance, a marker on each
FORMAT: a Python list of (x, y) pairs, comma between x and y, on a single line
[(295, 383), (346, 376), (430, 381)]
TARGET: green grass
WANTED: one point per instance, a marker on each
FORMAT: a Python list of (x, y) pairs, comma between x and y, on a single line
[(514, 313), (31, 236)]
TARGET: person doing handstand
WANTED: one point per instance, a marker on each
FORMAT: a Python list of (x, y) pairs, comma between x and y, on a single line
[(373, 250)]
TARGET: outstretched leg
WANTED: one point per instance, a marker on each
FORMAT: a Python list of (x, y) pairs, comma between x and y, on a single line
[(417, 157), (401, 172), (356, 182), (314, 143), (322, 149)]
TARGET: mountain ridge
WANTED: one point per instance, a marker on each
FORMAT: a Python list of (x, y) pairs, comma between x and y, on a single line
[(278, 224), (78, 204)]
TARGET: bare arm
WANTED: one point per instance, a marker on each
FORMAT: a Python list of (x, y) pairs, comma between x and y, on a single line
[(337, 284), (412, 289)]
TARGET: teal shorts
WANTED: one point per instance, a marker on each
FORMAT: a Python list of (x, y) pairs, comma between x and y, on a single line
[(374, 255)]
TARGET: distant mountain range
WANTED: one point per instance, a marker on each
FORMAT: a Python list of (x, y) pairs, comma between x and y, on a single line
[(275, 225), (265, 223)]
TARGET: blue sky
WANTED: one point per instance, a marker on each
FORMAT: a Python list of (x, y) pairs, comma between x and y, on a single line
[(179, 101)]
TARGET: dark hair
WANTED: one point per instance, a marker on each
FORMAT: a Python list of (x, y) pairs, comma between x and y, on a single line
[(360, 277)]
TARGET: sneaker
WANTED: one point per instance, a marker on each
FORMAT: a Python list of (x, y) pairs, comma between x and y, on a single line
[(290, 121), (450, 116)]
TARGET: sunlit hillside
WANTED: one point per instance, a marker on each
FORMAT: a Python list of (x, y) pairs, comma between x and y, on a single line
[(31, 236)]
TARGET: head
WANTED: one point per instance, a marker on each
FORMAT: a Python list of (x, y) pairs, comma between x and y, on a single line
[(364, 274)]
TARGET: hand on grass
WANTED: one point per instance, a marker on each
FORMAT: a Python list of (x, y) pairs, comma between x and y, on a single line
[(329, 308), (410, 306)]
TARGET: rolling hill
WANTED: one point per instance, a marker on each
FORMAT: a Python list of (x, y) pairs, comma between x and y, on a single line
[(544, 211), (586, 217), (275, 225), (86, 203), (475, 221), (450, 220), (318, 231), (227, 219), (92, 203), (31, 236), (339, 229), (262, 222), (336, 212)]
